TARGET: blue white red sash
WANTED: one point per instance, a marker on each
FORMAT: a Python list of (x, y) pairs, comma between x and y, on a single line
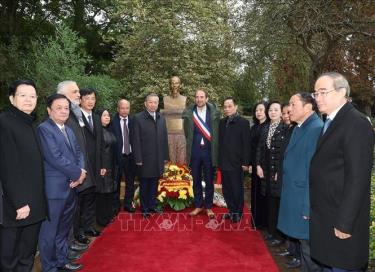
[(201, 125)]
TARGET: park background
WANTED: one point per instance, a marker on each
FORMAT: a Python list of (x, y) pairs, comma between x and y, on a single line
[(250, 49)]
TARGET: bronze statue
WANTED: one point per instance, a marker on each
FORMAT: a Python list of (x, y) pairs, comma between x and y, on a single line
[(174, 104)]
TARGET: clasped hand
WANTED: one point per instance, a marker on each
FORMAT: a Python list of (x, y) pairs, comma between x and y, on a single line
[(80, 180), (23, 212)]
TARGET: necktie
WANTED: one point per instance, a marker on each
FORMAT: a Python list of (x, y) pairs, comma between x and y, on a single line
[(65, 135), (326, 125), (90, 122), (125, 135)]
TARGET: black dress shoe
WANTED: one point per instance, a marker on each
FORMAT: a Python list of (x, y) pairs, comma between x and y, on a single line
[(70, 267), (268, 237), (294, 263), (156, 210), (73, 256), (146, 214), (81, 238), (275, 242), (284, 253), (227, 216), (129, 209), (115, 212), (236, 218), (76, 247), (92, 232)]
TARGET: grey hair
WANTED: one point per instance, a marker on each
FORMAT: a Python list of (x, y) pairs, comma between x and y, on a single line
[(151, 95), (122, 100), (61, 85), (339, 81)]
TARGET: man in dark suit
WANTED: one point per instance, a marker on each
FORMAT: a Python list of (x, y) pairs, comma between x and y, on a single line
[(122, 126), (150, 147), (75, 122), (234, 158), (93, 132), (22, 180), (63, 167), (340, 175)]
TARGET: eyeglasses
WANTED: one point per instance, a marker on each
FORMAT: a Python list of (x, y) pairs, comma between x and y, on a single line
[(24, 96), (322, 93)]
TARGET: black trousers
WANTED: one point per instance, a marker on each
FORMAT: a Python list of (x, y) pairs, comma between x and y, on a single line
[(258, 202), (126, 168), (294, 247), (273, 204), (104, 208), (233, 190), (84, 217), (308, 264), (148, 189), (18, 247)]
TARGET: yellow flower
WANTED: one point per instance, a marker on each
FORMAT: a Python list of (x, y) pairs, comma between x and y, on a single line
[(182, 194), (173, 167), (190, 189), (161, 196)]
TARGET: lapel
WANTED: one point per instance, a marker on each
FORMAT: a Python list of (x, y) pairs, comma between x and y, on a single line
[(334, 124), (59, 133), (130, 123), (70, 133), (299, 132), (87, 126), (117, 128), (147, 115)]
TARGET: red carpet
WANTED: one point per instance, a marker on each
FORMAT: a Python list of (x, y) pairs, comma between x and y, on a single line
[(177, 242)]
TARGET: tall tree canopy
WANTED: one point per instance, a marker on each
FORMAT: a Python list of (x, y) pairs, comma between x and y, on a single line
[(301, 39), (191, 39), (252, 49)]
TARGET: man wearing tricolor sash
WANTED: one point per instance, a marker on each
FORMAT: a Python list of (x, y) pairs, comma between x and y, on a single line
[(201, 123)]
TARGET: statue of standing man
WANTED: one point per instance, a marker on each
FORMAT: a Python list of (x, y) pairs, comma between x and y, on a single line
[(174, 104)]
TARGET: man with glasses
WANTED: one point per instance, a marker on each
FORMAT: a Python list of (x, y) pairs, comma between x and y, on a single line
[(340, 175)]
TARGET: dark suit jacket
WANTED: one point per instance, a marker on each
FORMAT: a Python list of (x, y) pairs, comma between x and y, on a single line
[(63, 161), (234, 144), (340, 175), (94, 145), (73, 123), (115, 127), (150, 144), (21, 168)]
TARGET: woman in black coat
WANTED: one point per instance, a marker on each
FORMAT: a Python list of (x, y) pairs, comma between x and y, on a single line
[(269, 154), (22, 179), (258, 210), (106, 184)]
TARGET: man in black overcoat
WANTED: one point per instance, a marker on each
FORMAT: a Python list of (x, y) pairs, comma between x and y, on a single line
[(93, 132), (234, 158), (149, 141), (22, 179), (340, 175)]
